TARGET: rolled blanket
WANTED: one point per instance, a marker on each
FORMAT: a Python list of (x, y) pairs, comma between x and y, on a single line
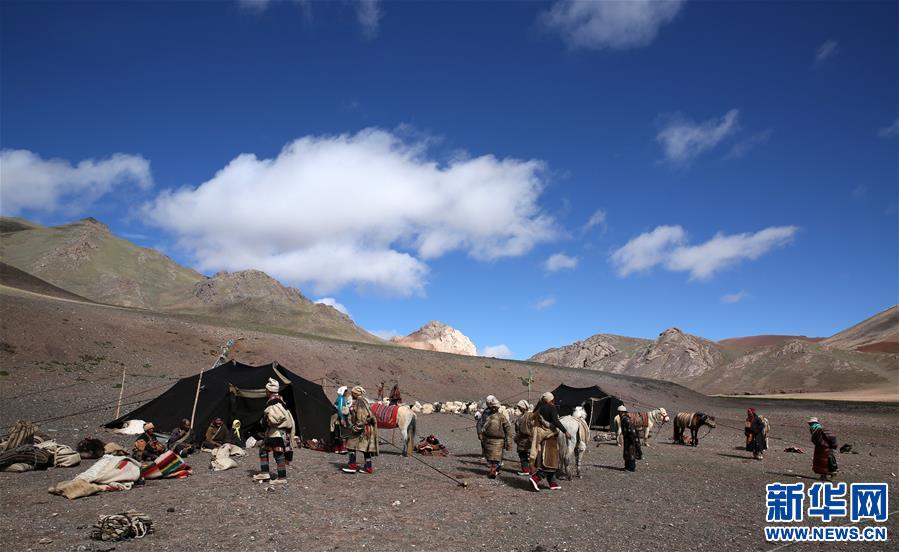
[(168, 464), (35, 457)]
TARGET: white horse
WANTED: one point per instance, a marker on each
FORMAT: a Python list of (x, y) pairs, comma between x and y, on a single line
[(653, 418), (405, 422), (571, 451)]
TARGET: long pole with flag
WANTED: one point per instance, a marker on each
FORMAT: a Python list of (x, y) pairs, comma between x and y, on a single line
[(222, 358)]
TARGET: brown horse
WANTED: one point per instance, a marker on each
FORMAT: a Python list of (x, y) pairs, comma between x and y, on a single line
[(693, 421)]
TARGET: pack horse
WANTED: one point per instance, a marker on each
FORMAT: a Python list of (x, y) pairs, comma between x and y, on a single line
[(397, 416), (643, 423)]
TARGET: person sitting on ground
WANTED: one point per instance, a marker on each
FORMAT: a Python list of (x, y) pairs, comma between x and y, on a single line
[(181, 439), (147, 447), (824, 462), (216, 434), (363, 433), (630, 440), (523, 428), (756, 436), (280, 429), (496, 437), (545, 455)]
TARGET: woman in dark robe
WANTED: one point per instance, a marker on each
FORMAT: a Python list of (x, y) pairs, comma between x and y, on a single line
[(631, 440), (756, 434), (824, 462)]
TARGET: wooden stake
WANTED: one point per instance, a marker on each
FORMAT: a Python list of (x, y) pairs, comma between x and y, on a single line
[(221, 359), (118, 406)]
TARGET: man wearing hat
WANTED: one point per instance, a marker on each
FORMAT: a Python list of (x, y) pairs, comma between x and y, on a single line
[(824, 462), (280, 429), (523, 429), (545, 457), (363, 433), (147, 446), (631, 440), (496, 437)]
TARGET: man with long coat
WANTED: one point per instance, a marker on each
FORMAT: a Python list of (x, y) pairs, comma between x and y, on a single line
[(545, 456), (630, 439), (280, 430), (523, 429), (756, 434), (363, 433), (496, 437), (824, 462)]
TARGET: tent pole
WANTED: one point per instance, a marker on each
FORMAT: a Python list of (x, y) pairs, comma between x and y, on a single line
[(220, 360), (118, 405)]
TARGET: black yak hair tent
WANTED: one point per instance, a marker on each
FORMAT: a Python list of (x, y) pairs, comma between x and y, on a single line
[(600, 406), (235, 391)]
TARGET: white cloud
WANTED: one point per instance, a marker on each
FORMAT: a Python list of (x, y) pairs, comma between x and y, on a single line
[(609, 24), (731, 298), (682, 139), (384, 334), (368, 13), (665, 245), (598, 218), (560, 261), (743, 147), (826, 51), (365, 209), (889, 131), (29, 182), (647, 249), (331, 302), (496, 351), (545, 303)]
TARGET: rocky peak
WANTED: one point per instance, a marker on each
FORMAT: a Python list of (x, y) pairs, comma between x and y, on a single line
[(676, 355), (437, 336), (245, 285), (92, 224)]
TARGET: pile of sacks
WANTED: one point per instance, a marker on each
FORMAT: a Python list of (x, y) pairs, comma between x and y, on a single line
[(26, 450), (460, 407)]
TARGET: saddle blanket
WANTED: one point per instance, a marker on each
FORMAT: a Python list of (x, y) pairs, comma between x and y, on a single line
[(385, 414)]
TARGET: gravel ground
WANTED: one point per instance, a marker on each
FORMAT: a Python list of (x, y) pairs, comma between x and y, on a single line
[(680, 498)]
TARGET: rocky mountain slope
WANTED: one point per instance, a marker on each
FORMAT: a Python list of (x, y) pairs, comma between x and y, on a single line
[(440, 337), (606, 352), (878, 334), (859, 358), (86, 259)]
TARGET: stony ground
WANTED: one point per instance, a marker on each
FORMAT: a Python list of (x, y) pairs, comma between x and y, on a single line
[(60, 361), (680, 498)]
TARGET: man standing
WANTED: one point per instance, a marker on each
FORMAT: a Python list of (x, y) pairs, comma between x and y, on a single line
[(523, 428), (280, 429), (496, 437), (544, 455), (756, 434), (824, 462), (395, 396), (363, 433), (631, 440)]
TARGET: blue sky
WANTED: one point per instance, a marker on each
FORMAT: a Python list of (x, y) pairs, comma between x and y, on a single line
[(418, 161)]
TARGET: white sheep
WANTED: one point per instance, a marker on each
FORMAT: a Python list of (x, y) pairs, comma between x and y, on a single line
[(427, 408)]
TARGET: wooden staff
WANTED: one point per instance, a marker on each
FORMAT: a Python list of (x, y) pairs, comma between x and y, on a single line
[(118, 406)]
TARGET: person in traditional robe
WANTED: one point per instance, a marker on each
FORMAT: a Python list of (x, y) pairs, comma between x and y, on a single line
[(216, 434), (481, 417), (395, 397), (496, 437), (147, 446), (545, 457), (363, 437), (280, 429), (342, 403), (756, 435), (824, 462), (630, 440), (181, 439), (523, 428)]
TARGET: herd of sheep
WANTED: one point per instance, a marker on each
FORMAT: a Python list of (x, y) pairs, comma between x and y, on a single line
[(461, 407)]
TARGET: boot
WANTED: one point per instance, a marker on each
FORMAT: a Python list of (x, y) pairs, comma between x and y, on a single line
[(492, 474), (352, 468), (535, 482), (524, 470), (368, 468)]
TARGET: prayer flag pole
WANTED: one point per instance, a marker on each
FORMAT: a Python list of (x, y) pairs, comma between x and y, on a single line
[(221, 359), (118, 405)]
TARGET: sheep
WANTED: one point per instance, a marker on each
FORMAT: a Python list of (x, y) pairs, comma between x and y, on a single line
[(427, 408)]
